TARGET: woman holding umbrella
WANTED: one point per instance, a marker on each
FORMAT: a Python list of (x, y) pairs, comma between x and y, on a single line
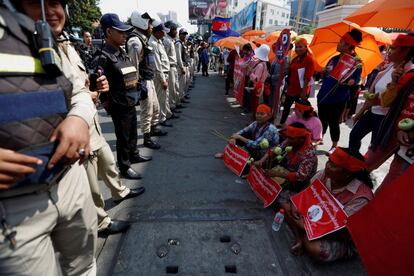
[(335, 92)]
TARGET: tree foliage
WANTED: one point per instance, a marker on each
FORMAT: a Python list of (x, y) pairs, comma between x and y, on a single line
[(84, 13)]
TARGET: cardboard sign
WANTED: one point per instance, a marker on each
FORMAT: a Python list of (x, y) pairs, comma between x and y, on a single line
[(239, 78), (235, 158), (264, 187), (282, 45), (322, 213), (344, 67)]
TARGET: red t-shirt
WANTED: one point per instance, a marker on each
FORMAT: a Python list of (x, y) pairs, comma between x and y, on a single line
[(297, 63), (408, 110)]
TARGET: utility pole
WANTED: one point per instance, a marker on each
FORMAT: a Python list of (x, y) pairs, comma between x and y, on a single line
[(298, 15)]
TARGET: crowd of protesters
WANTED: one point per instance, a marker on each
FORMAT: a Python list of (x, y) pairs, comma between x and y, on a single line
[(347, 172), (52, 156)]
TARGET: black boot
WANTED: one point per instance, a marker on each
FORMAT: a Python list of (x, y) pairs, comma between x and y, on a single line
[(157, 132), (149, 143)]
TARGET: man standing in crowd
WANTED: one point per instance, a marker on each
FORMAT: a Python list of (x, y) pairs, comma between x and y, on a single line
[(45, 202), (182, 60), (173, 85), (143, 58), (162, 68), (123, 94), (86, 49)]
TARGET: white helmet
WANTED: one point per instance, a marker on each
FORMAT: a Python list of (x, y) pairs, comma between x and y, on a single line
[(138, 21)]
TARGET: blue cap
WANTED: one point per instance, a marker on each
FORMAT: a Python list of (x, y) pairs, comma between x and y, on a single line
[(111, 20)]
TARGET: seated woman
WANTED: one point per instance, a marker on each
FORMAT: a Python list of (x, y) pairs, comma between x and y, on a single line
[(251, 136), (346, 177), (305, 114), (297, 167)]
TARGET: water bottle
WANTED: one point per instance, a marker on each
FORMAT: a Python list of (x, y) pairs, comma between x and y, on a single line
[(278, 220)]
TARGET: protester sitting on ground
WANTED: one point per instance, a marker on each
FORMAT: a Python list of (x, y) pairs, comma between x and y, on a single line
[(251, 136), (299, 76), (369, 118), (346, 177), (297, 167), (305, 114), (334, 94)]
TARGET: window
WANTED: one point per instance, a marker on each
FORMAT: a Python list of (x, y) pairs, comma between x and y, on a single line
[(283, 14), (270, 21), (276, 23), (272, 12), (277, 12)]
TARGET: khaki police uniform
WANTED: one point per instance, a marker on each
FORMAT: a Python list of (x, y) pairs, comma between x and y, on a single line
[(102, 164), (173, 85), (150, 107), (182, 67), (162, 69), (54, 217)]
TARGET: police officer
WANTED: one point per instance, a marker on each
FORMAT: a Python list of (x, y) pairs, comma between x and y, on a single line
[(183, 63), (86, 49), (143, 58), (162, 65), (173, 85), (45, 201), (123, 93), (101, 162)]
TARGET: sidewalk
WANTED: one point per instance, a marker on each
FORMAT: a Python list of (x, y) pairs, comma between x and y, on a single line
[(197, 217)]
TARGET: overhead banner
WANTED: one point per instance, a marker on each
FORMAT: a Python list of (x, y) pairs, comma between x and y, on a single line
[(265, 188), (322, 213), (235, 158), (206, 9), (239, 77), (243, 21)]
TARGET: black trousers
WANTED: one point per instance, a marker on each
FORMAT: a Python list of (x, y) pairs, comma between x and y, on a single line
[(229, 82), (126, 131), (289, 100), (204, 69), (330, 114)]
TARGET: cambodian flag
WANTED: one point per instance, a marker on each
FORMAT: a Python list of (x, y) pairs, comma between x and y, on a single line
[(220, 26)]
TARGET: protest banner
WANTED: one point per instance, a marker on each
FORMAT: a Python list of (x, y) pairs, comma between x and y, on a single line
[(235, 158), (239, 77), (265, 188), (322, 213), (345, 65), (383, 230)]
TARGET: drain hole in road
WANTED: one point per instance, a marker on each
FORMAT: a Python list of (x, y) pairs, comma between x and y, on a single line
[(230, 269), (225, 239), (173, 269)]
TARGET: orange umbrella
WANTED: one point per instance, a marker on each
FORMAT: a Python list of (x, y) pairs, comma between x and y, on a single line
[(231, 42), (325, 40), (385, 13), (381, 37), (253, 33)]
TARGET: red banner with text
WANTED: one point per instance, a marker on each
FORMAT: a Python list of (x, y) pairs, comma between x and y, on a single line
[(239, 77), (235, 158), (266, 188), (322, 213)]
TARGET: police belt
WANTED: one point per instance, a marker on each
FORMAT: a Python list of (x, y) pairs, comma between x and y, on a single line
[(173, 65)]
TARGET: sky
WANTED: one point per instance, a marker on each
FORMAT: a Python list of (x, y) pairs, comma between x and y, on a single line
[(124, 9)]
